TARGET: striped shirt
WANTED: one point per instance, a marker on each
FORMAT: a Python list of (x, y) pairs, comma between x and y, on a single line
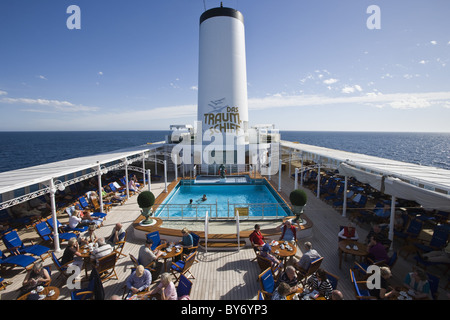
[(324, 287)]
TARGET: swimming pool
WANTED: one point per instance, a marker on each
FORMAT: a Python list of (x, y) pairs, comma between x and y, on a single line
[(254, 199)]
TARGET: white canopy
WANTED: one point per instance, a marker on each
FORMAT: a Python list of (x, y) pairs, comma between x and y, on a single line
[(21, 178), (428, 186)]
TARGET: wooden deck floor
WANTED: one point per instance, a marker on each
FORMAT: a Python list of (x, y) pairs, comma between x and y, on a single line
[(226, 275)]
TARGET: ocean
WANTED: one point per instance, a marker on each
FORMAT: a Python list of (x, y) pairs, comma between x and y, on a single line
[(24, 149)]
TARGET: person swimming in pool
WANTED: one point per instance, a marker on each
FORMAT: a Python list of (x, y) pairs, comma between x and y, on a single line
[(204, 197)]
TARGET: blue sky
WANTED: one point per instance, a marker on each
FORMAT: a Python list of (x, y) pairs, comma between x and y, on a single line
[(311, 65)]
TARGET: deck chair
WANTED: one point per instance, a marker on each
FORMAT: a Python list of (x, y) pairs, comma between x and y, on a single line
[(361, 292), (182, 267), (334, 279), (64, 228), (184, 288), (267, 283), (434, 285), (94, 290), (46, 234), (261, 295), (265, 263), (113, 188), (16, 246), (106, 206), (118, 247), (62, 268), (194, 247), (412, 232), (20, 260), (157, 241), (304, 275), (86, 206), (438, 240), (106, 267)]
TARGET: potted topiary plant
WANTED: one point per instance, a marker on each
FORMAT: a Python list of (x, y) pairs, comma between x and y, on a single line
[(145, 201), (298, 200)]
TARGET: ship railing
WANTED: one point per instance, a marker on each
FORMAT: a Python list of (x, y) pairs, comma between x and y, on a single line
[(247, 211)]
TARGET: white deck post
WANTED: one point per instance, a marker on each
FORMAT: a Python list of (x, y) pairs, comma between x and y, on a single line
[(143, 169), (301, 173), (296, 179), (318, 181), (126, 178), (344, 196), (391, 222), (100, 196), (55, 221)]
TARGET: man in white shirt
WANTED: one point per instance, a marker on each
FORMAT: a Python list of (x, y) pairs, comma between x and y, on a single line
[(102, 250)]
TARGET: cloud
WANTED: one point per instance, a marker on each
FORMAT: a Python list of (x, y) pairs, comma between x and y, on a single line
[(54, 105), (423, 61), (3, 93), (194, 88), (372, 99), (42, 77), (100, 73), (351, 89), (433, 42), (330, 81)]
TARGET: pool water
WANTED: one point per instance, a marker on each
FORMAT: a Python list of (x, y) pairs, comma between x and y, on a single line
[(259, 200)]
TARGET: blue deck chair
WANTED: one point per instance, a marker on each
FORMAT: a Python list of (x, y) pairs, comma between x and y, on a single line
[(335, 195), (20, 260), (113, 188), (155, 237), (64, 228), (267, 283), (361, 293), (434, 285), (438, 240), (94, 290), (86, 206), (334, 279), (261, 295), (16, 246), (184, 288), (46, 234), (182, 267), (412, 232)]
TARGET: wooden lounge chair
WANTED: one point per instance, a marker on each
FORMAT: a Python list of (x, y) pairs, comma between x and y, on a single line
[(118, 247), (182, 267), (304, 275), (267, 283), (106, 267)]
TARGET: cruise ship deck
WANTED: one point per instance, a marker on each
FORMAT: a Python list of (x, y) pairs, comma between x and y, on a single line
[(225, 275)]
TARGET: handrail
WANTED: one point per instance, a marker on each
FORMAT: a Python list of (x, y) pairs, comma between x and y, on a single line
[(206, 231), (223, 211)]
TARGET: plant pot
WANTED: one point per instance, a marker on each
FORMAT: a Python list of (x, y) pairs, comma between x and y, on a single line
[(147, 213), (298, 211)]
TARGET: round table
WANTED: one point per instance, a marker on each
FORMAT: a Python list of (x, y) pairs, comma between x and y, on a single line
[(281, 250), (172, 253), (45, 292), (361, 252)]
